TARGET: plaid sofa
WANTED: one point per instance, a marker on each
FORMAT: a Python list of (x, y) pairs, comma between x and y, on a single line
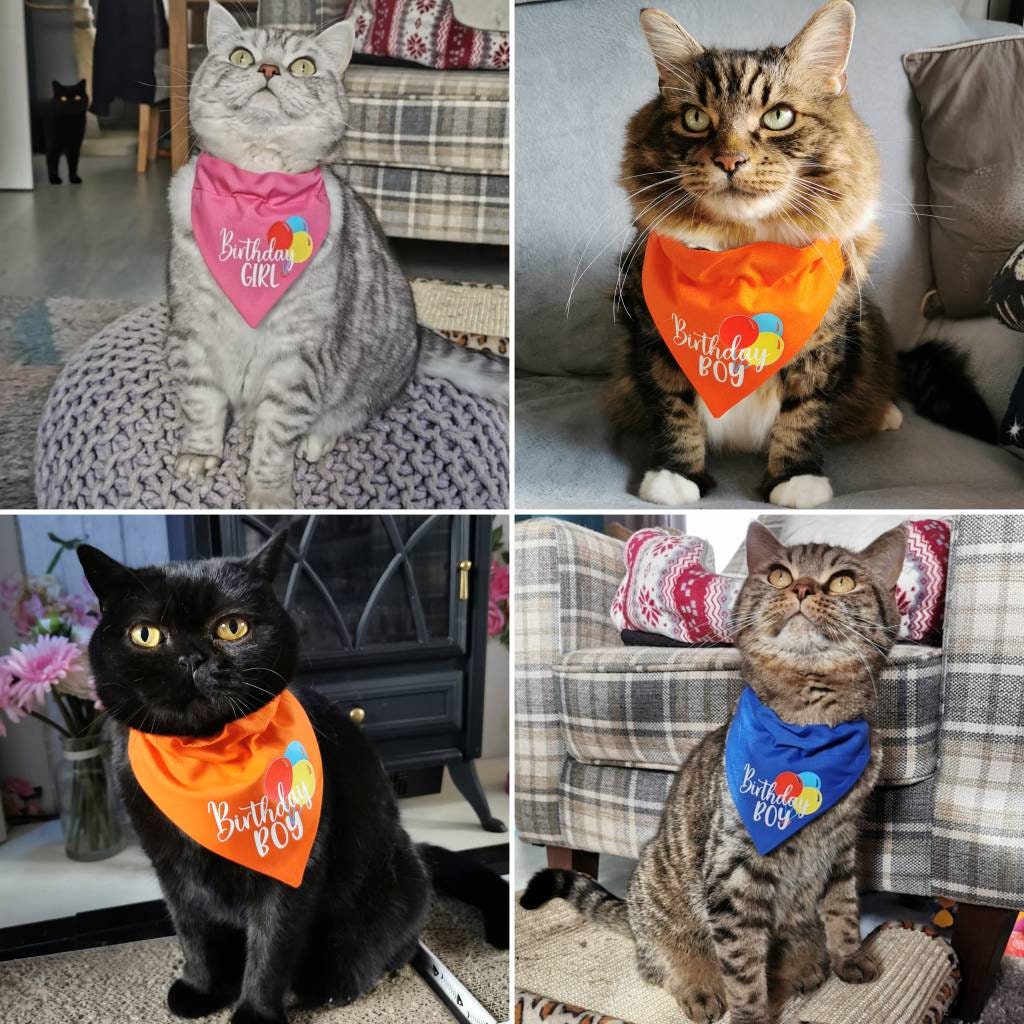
[(601, 727), (428, 150)]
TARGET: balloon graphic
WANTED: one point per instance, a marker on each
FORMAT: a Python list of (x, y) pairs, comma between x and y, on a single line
[(278, 780), (303, 783), (807, 802), (765, 351), (279, 235), (738, 327), (302, 246), (788, 785), (768, 323), (295, 752), (297, 223), (807, 778)]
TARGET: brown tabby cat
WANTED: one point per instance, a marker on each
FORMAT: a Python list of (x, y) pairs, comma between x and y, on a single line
[(764, 146), (716, 924)]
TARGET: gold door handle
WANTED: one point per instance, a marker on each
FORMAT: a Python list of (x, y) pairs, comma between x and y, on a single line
[(464, 566), (357, 715)]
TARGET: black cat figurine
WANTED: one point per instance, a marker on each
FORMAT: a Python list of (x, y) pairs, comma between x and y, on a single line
[(64, 129), (164, 665)]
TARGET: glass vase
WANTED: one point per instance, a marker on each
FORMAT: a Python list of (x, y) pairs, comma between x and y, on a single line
[(92, 829)]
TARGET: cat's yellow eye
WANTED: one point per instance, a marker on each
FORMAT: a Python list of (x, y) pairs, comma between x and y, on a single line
[(145, 635), (696, 120), (231, 628), (302, 68), (63, 99), (779, 118), (780, 578), (841, 583), (242, 58)]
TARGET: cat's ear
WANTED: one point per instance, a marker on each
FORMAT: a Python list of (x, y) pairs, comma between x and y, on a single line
[(106, 575), (267, 560), (763, 548), (886, 555), (221, 28), (672, 46), (81, 85), (337, 42), (821, 49), (56, 85)]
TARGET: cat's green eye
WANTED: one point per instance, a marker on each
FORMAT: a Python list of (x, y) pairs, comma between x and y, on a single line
[(696, 120), (779, 118), (145, 635), (242, 58), (231, 628), (780, 578), (841, 583), (302, 68)]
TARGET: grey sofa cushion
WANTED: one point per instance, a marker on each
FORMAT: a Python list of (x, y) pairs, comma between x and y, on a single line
[(969, 93)]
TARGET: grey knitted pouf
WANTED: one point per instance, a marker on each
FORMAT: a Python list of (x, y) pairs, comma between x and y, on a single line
[(108, 438)]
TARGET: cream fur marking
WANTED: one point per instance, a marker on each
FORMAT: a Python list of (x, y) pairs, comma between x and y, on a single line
[(803, 491), (663, 487)]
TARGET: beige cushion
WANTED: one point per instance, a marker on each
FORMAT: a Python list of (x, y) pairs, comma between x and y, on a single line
[(972, 107)]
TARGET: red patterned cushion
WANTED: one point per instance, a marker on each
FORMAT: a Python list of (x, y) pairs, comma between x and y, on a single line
[(425, 32), (671, 588)]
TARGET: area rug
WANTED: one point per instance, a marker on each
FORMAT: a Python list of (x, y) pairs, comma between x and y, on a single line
[(38, 335), (128, 983), (568, 970)]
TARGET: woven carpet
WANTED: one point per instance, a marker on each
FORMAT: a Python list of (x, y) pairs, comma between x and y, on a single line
[(127, 983), (38, 335), (567, 968)]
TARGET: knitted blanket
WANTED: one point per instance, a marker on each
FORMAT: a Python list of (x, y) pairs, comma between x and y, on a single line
[(110, 433)]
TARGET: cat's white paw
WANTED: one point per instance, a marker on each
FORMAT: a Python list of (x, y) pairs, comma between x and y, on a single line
[(663, 487), (195, 467), (261, 497), (803, 491), (892, 418), (313, 447)]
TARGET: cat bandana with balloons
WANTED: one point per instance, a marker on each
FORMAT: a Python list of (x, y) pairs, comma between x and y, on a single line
[(734, 318), (257, 232)]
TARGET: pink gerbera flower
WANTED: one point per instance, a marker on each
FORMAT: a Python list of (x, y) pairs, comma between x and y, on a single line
[(38, 667)]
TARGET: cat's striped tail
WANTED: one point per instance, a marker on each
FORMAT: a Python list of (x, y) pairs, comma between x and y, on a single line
[(593, 901), (936, 378), (474, 370)]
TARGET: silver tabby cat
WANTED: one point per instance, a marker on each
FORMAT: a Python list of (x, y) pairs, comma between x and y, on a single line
[(716, 924), (342, 343)]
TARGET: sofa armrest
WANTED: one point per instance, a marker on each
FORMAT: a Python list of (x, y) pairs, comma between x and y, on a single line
[(565, 580), (978, 834)]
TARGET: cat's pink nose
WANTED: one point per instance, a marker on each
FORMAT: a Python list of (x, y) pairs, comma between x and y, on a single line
[(269, 70), (730, 160), (804, 587)]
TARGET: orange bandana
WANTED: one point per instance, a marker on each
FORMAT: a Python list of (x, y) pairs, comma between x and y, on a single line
[(712, 309), (252, 793)]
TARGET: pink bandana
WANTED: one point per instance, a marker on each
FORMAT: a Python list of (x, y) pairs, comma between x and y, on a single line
[(257, 232)]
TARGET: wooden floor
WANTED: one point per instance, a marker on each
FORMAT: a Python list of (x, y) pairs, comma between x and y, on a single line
[(107, 238)]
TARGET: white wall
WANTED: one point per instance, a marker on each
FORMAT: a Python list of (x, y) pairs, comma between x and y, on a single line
[(724, 531), (16, 148)]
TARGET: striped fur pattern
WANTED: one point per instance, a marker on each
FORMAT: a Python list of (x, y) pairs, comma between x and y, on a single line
[(720, 927), (342, 343), (733, 183)]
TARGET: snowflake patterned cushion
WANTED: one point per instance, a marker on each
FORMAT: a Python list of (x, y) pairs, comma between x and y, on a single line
[(1006, 303), (425, 32), (671, 588)]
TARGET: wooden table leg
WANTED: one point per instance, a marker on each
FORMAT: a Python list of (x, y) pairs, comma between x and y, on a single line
[(142, 158), (177, 25), (154, 133), (980, 935), (573, 860)]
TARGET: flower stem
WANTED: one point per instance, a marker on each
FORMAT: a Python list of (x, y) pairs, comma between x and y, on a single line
[(49, 721)]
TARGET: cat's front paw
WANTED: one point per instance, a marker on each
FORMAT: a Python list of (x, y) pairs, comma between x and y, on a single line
[(856, 969), (809, 978), (803, 491), (663, 487), (185, 1000), (247, 1014), (702, 1007), (313, 447), (195, 467), (258, 496), (74, 179)]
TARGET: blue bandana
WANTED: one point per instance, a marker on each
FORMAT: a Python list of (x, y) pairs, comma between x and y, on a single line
[(784, 776)]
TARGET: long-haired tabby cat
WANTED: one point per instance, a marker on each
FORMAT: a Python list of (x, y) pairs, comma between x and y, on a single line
[(342, 342), (716, 924), (166, 667), (741, 147)]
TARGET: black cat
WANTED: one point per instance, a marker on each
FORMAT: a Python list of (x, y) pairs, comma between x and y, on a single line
[(64, 129), (248, 939)]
